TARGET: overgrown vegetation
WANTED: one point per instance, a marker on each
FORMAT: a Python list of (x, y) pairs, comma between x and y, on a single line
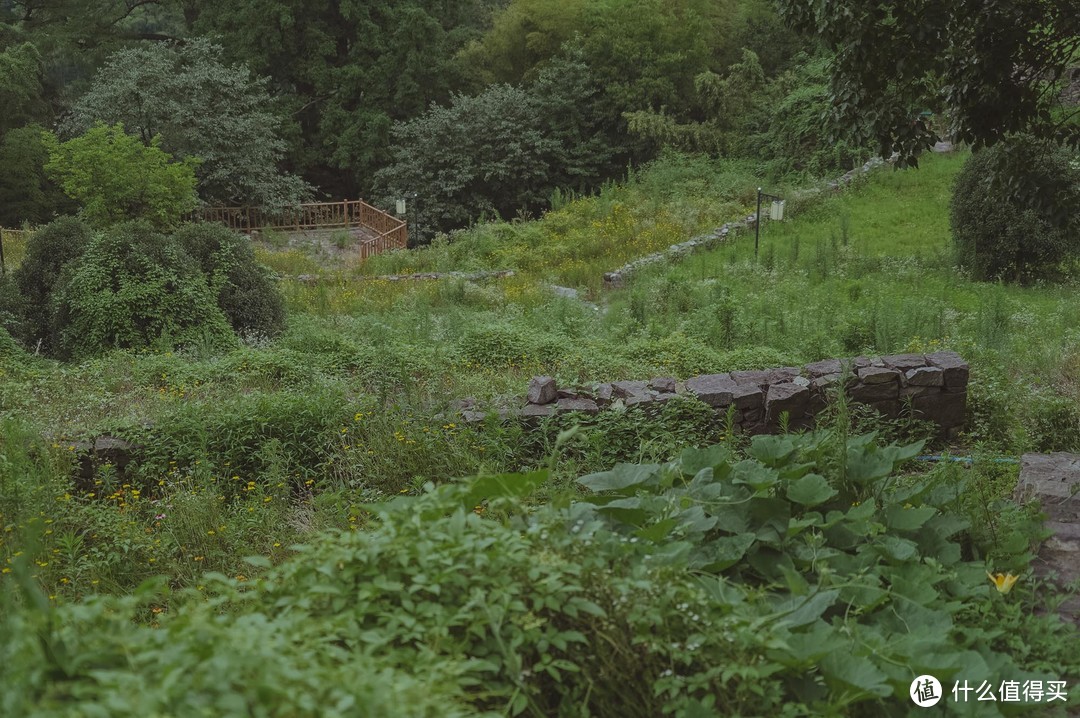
[(997, 235), (230, 490), (79, 293), (804, 578)]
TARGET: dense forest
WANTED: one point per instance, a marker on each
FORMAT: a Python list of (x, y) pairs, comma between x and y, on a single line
[(483, 107)]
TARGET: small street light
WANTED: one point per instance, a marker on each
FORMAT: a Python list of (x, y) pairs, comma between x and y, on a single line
[(776, 211)]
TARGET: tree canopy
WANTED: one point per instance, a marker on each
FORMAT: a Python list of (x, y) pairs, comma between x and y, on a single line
[(200, 107), (991, 66), (115, 177)]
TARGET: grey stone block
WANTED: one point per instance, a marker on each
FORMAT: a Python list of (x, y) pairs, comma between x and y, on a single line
[(924, 376), (586, 406), (821, 368), (903, 362), (954, 368), (663, 383), (542, 390), (757, 378), (627, 389), (791, 398), (868, 393), (877, 375), (947, 410), (536, 411), (714, 389)]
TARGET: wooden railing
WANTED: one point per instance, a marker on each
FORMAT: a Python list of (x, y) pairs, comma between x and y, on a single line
[(389, 231)]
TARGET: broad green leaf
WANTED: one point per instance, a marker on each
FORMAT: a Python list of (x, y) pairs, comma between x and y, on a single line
[(498, 486), (772, 449), (693, 461), (658, 531), (846, 668), (811, 490), (724, 552), (908, 519), (622, 477), (754, 475), (802, 610), (796, 582), (897, 548)]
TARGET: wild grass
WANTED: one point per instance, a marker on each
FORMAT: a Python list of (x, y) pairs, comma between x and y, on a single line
[(254, 448)]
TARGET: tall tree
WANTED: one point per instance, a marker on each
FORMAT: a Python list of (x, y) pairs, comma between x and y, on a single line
[(116, 178), (200, 107), (20, 86), (992, 65), (349, 69)]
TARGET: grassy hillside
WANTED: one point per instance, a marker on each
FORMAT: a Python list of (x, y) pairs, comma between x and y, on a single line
[(250, 452)]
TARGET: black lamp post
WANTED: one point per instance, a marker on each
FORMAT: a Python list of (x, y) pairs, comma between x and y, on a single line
[(775, 212)]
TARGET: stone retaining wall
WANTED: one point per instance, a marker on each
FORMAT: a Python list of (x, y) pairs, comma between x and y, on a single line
[(419, 276), (618, 277), (935, 385)]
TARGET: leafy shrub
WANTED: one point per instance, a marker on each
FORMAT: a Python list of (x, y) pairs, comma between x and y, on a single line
[(115, 177), (507, 345), (244, 288), (133, 288), (8, 346), (48, 251), (1053, 423), (999, 231), (676, 354), (256, 433), (801, 580)]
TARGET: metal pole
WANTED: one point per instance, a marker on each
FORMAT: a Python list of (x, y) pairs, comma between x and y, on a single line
[(3, 270), (757, 223)]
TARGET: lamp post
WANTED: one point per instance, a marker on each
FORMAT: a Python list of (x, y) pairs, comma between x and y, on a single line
[(402, 209), (776, 211)]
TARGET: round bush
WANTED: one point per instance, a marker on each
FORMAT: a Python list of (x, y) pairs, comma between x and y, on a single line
[(243, 287), (998, 231), (48, 251), (134, 287)]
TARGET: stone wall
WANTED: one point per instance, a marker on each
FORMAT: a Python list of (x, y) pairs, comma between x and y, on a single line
[(675, 252), (935, 385)]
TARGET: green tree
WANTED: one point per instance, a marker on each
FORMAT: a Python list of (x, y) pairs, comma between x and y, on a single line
[(347, 70), (244, 289), (115, 177), (20, 86), (996, 235), (26, 192), (49, 250), (486, 154), (990, 64), (200, 107)]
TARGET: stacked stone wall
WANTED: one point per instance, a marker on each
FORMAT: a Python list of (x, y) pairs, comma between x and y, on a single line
[(934, 386)]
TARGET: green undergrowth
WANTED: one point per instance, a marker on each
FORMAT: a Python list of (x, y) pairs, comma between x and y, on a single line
[(250, 451), (808, 575)]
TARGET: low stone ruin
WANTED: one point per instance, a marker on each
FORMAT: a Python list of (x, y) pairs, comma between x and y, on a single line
[(1054, 481), (935, 386)]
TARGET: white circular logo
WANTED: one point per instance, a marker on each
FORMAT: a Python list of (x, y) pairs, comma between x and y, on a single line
[(925, 691)]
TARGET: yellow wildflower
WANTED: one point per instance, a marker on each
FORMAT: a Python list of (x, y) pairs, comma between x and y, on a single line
[(1002, 581)]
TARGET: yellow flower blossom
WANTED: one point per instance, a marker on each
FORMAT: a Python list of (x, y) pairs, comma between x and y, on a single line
[(1002, 581)]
